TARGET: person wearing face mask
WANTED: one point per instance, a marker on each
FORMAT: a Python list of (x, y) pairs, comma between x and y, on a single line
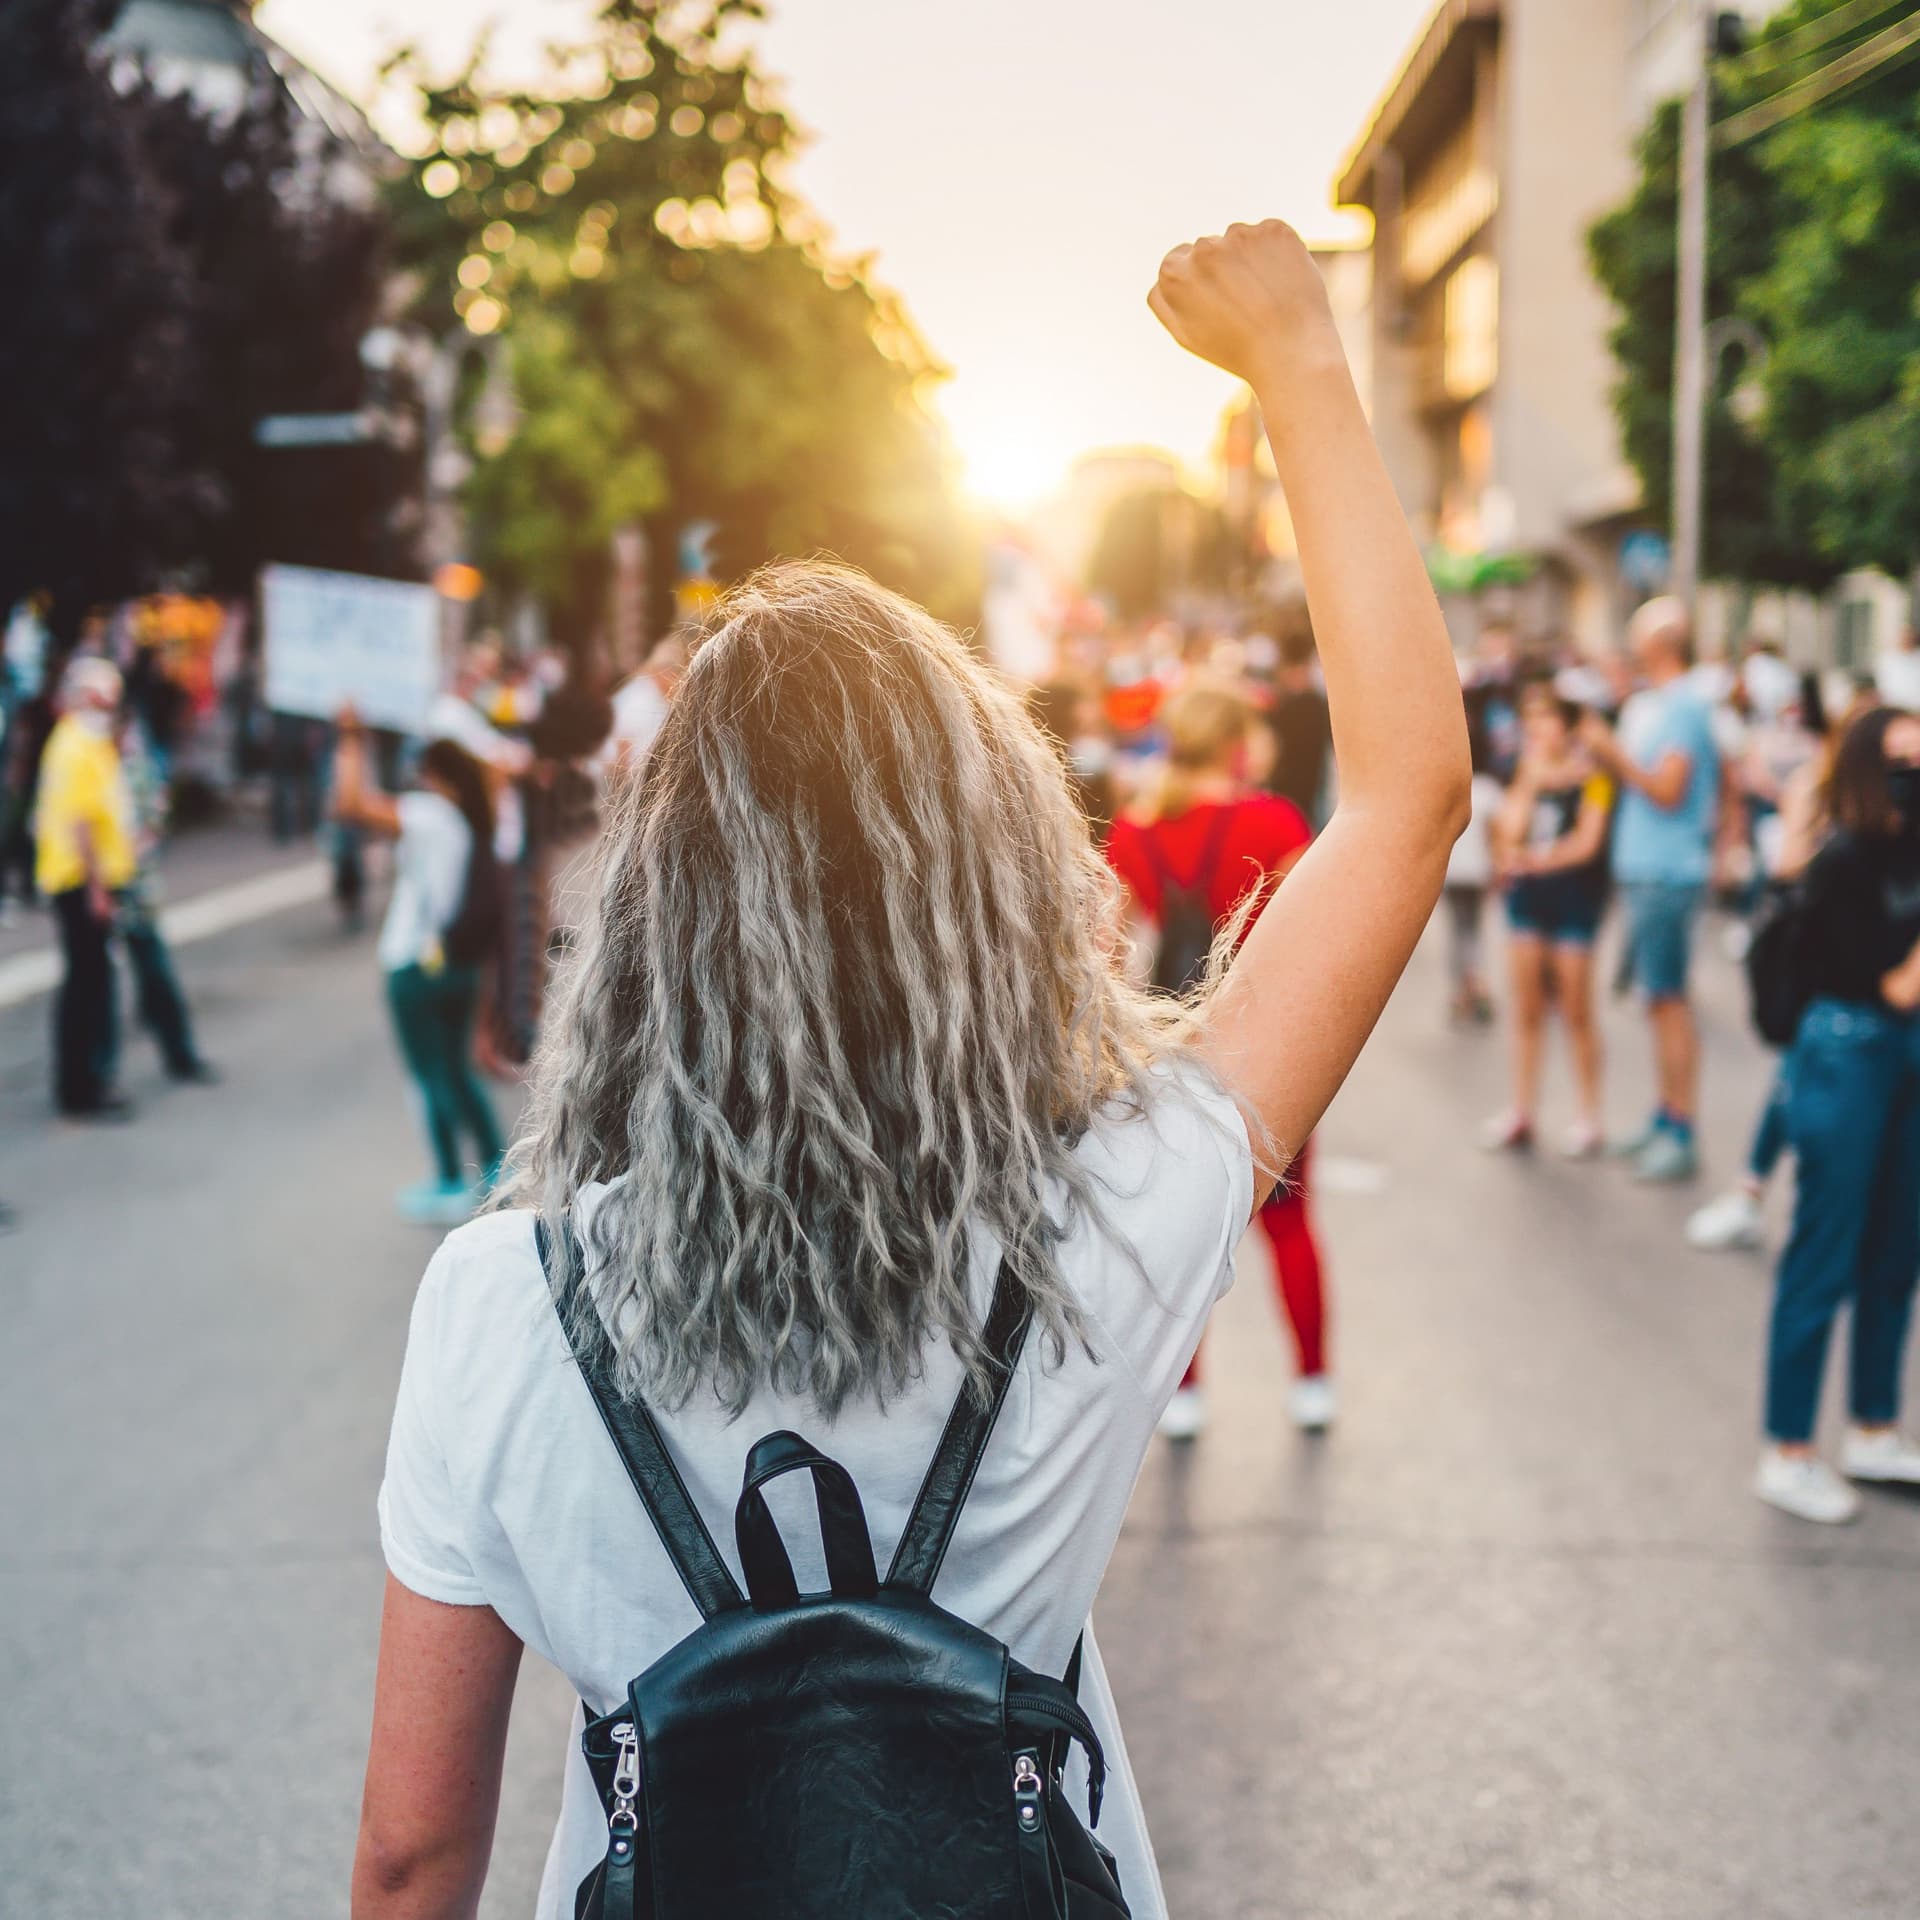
[(1189, 857), (83, 855), (1852, 1114)]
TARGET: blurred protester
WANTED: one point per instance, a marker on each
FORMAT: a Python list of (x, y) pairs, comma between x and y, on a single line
[(83, 818), (1550, 845), (1896, 674), (1190, 857), (1493, 695), (1852, 1117), (1302, 735), (1470, 877), (157, 995), (640, 709), (458, 714), (1785, 844), (1666, 765), (442, 923), (28, 731), (1069, 713), (506, 992)]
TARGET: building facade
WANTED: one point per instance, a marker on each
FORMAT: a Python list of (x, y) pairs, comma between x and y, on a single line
[(1509, 128)]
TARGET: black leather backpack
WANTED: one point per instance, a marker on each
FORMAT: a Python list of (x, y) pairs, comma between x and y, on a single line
[(860, 1754)]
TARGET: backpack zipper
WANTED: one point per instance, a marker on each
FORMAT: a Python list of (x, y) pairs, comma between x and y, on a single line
[(623, 1822), (1026, 1790)]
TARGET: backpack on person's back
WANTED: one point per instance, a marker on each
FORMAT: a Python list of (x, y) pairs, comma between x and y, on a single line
[(860, 1754), (1187, 924)]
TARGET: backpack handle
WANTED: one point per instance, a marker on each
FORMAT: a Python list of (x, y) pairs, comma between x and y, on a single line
[(843, 1526)]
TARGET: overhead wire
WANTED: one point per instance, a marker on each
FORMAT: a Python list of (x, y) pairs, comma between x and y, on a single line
[(1899, 41), (1802, 42)]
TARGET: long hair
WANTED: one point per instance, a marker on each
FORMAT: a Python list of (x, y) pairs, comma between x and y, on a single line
[(850, 992), (1204, 723), (1859, 797), (465, 780)]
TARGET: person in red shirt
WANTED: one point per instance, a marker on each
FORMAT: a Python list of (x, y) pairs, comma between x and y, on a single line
[(1194, 853)]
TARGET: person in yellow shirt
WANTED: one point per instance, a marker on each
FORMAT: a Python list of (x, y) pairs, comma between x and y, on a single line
[(83, 855)]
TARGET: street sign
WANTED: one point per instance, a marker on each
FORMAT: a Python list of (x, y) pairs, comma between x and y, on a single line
[(318, 429)]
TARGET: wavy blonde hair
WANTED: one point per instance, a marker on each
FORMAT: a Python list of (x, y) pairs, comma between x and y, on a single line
[(851, 991)]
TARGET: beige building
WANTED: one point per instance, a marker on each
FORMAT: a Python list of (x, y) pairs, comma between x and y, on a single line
[(1508, 129)]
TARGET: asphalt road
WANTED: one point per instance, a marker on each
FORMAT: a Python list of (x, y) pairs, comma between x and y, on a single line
[(1514, 1641)]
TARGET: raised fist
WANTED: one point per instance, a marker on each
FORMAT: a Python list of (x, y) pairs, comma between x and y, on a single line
[(1251, 301)]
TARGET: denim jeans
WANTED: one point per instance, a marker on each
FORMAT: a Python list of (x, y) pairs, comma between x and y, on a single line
[(1853, 1120), (433, 1016)]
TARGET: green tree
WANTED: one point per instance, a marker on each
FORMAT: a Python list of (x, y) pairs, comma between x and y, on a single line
[(684, 347), (1814, 241), (95, 334)]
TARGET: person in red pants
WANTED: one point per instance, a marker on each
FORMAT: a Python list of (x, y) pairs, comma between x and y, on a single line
[(1193, 852)]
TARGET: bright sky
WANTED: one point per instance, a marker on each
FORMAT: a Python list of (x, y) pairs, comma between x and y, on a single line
[(1019, 167)]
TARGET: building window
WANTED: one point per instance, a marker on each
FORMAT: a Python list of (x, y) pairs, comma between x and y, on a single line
[(1471, 321)]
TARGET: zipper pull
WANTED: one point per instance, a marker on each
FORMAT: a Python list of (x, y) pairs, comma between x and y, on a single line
[(624, 1822), (1027, 1786)]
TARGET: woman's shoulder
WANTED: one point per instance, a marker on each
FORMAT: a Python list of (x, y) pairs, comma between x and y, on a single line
[(1179, 1154), (484, 1287)]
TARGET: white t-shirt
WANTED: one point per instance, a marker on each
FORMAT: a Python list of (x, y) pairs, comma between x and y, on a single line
[(429, 878), (639, 712), (1470, 864), (1897, 675), (503, 1490)]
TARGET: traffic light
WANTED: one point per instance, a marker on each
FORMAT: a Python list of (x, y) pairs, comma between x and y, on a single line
[(1727, 35)]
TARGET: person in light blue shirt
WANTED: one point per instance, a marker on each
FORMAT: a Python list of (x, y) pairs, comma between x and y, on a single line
[(1667, 764)]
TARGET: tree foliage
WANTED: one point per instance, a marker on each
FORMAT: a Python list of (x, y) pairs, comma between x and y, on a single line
[(287, 275), (177, 277), (1814, 239), (95, 339), (683, 346)]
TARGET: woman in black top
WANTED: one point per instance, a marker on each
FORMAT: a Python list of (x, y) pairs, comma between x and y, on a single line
[(1853, 1117)]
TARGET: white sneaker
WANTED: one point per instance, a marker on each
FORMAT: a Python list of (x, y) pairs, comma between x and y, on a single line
[(1186, 1414), (1312, 1402), (1731, 1221), (1508, 1132), (1888, 1457), (1582, 1141), (1806, 1487)]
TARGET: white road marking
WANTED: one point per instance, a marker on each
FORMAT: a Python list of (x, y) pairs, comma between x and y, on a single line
[(1338, 1173), (28, 975)]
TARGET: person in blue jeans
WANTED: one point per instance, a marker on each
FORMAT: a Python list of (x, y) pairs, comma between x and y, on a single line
[(1667, 767), (1852, 1110)]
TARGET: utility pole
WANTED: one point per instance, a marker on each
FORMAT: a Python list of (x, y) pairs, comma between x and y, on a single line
[(1690, 323)]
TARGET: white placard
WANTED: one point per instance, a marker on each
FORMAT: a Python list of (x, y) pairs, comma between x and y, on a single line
[(339, 639)]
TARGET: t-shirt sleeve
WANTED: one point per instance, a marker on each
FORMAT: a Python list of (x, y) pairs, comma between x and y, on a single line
[(1179, 1194), (420, 1531)]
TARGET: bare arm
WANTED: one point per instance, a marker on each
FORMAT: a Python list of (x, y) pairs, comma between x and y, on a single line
[(1665, 783), (1298, 1003), (440, 1706), (1578, 848), (1801, 822), (357, 799)]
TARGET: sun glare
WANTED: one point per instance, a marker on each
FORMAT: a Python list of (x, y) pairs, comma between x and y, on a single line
[(1012, 469)]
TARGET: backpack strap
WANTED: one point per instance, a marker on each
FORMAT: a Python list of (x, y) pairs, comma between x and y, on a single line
[(1210, 850), (637, 1440), (929, 1531)]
